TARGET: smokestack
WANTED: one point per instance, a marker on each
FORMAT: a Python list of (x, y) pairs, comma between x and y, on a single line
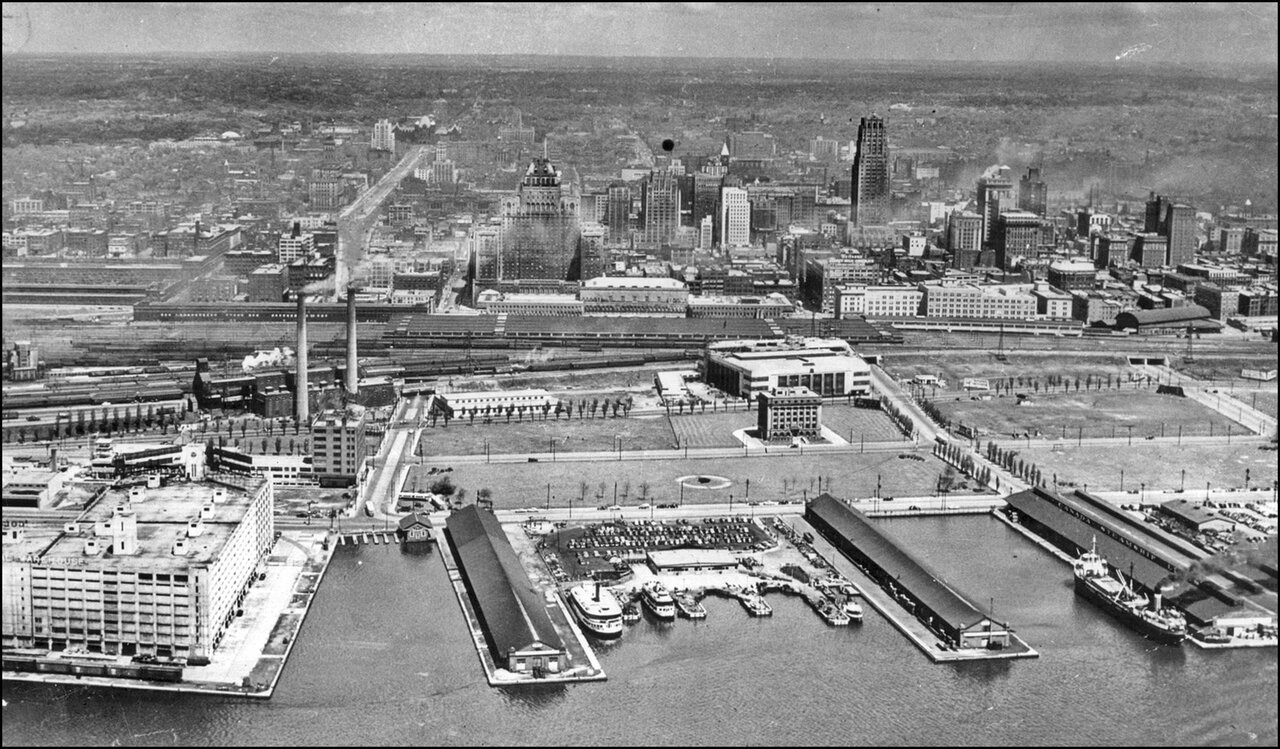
[(352, 383), (1157, 599), (301, 409)]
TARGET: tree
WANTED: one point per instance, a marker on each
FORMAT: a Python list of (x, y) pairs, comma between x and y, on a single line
[(444, 486), (601, 488), (626, 490), (582, 491), (472, 413), (279, 442), (559, 409), (484, 495), (520, 411), (546, 409), (947, 481), (644, 490), (595, 403), (510, 410)]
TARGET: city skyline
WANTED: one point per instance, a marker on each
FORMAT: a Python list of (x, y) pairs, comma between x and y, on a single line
[(1131, 33)]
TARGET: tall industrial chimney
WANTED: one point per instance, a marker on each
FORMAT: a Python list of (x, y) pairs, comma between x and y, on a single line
[(352, 380), (302, 407)]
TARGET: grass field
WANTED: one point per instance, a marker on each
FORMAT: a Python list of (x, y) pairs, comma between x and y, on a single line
[(1099, 414), (712, 429), (1158, 465), (582, 435), (1263, 400), (955, 366), (862, 423), (527, 484)]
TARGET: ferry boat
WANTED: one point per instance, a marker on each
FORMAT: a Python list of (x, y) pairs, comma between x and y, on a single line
[(1093, 581), (689, 606), (658, 600), (598, 610)]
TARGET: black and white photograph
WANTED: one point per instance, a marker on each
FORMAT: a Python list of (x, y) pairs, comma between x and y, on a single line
[(626, 374)]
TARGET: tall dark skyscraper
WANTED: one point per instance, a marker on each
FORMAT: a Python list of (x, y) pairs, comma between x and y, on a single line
[(1033, 193), (870, 188), (1177, 223)]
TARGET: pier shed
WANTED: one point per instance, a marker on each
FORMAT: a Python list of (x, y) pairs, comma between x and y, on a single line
[(512, 612), (1072, 522), (917, 588)]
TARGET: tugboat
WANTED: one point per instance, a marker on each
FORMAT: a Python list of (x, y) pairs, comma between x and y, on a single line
[(755, 604), (630, 613), (831, 613), (853, 610), (598, 610), (1156, 622), (656, 598), (689, 606)]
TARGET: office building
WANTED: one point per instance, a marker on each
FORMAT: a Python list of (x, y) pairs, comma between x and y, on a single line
[(995, 193), (788, 413), (338, 446), (661, 207), (735, 218), (983, 302), (964, 238), (1033, 193), (869, 193), (1015, 238), (384, 136)]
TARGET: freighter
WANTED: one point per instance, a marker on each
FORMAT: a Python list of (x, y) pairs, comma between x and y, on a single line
[(1149, 618)]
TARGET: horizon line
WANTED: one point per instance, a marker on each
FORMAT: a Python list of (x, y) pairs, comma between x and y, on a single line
[(1267, 64)]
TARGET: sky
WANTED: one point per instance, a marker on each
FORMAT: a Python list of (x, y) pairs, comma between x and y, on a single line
[(1186, 33)]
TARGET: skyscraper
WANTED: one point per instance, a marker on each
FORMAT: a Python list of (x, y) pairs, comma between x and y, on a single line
[(661, 207), (995, 191), (384, 136), (870, 189), (617, 211), (735, 218), (1033, 193), (540, 227), (1177, 223)]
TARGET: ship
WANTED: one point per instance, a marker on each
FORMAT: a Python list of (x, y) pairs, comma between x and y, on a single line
[(631, 613), (1149, 618), (689, 606), (658, 600), (853, 610), (755, 604), (598, 610)]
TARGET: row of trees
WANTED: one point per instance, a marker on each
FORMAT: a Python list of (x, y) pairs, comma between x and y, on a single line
[(623, 490), (963, 459), (900, 417), (99, 421), (1009, 460)]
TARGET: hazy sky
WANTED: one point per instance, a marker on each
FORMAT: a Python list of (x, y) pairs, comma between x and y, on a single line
[(1233, 33)]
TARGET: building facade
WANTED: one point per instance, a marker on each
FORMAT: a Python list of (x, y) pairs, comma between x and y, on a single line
[(787, 413), (869, 191)]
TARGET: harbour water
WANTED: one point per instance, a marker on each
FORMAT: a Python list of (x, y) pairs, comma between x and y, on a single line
[(385, 658)]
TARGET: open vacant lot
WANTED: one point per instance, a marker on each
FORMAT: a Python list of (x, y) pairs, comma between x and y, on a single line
[(1158, 465), (526, 484), (856, 424), (582, 435), (1098, 414), (1263, 400), (955, 366), (712, 429)]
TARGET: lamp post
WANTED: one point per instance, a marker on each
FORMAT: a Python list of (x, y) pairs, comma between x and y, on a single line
[(1121, 479), (1130, 433), (1183, 487)]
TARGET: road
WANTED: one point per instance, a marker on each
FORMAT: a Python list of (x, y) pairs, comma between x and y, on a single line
[(357, 220), (398, 445)]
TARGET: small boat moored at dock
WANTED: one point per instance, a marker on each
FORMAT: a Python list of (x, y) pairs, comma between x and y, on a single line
[(658, 600), (689, 606)]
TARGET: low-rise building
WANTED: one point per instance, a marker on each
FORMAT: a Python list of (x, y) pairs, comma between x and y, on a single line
[(747, 368), (787, 413), (338, 446)]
